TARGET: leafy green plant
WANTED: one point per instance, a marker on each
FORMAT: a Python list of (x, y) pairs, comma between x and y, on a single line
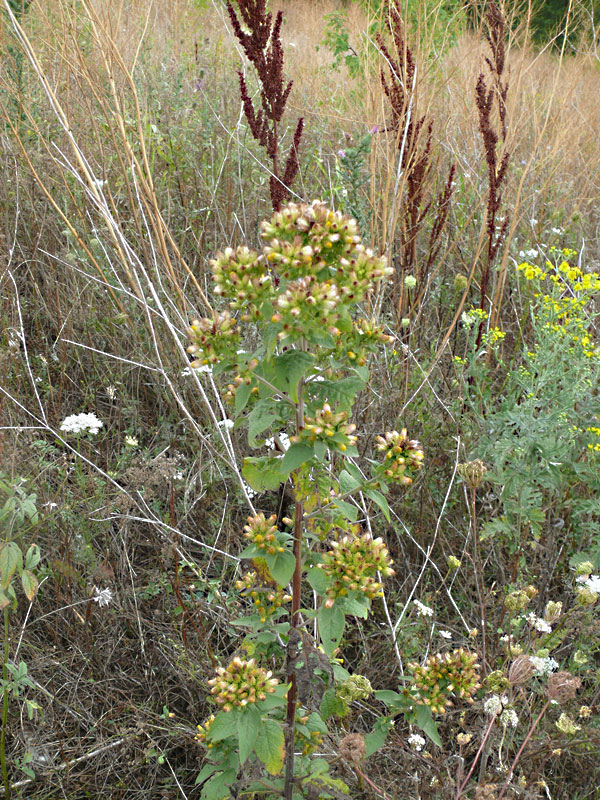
[(18, 511), (298, 386)]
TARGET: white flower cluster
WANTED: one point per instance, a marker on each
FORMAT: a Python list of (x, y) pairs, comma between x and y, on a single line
[(81, 423), (494, 705), (445, 634), (416, 742), (538, 623), (422, 609), (509, 718), (543, 666), (283, 438)]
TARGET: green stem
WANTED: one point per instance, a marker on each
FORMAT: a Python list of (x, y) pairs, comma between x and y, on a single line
[(5, 780)]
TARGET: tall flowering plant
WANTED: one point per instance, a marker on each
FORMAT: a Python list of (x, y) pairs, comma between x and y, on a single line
[(302, 293)]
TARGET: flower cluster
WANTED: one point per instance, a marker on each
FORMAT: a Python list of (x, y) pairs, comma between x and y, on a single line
[(352, 564), (446, 675), (263, 533), (241, 683), (81, 423), (403, 456), (242, 275), (327, 427), (213, 338), (267, 600), (306, 301)]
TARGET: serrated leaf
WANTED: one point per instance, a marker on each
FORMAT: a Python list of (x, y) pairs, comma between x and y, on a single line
[(358, 606), (281, 566), (11, 561), (248, 727), (331, 627), (30, 584), (224, 725), (348, 482), (296, 455), (380, 500), (32, 557), (427, 724), (263, 473), (340, 393), (332, 706), (318, 580), (269, 746)]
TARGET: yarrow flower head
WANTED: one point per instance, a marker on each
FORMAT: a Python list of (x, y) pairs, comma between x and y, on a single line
[(543, 666), (422, 609), (494, 705), (402, 456), (352, 564), (241, 683), (538, 623), (509, 718), (445, 676), (81, 423)]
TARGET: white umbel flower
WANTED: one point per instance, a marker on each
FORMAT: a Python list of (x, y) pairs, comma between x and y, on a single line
[(416, 742), (81, 423), (422, 609), (102, 596)]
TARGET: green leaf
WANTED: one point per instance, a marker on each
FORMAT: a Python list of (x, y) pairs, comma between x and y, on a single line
[(288, 368), (269, 746), (332, 706), (242, 395), (263, 473), (224, 725), (341, 393), (358, 605), (315, 723), (4, 601), (426, 722), (206, 771), (348, 482), (318, 580), (217, 788), (281, 566), (11, 560), (248, 727), (331, 627), (30, 584), (380, 500), (347, 509), (296, 455), (262, 416), (32, 557), (378, 735), (390, 698)]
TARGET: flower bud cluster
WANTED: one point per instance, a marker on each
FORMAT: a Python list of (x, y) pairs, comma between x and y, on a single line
[(352, 565), (327, 427), (212, 338), (363, 339), (263, 533), (356, 687), (403, 456), (241, 683), (446, 675), (266, 599), (242, 276), (204, 729), (306, 302)]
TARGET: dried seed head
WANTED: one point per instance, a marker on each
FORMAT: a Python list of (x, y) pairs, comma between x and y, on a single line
[(520, 671), (352, 748), (562, 686), (472, 472)]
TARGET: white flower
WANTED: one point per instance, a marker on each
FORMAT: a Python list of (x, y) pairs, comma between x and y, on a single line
[(202, 368), (283, 438), (416, 742), (531, 253), (538, 623), (423, 610), (543, 666), (178, 476), (249, 490), (493, 705), (226, 423), (81, 423), (509, 717), (111, 392), (533, 221), (131, 441), (557, 231), (102, 596), (445, 634), (467, 320), (593, 583)]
